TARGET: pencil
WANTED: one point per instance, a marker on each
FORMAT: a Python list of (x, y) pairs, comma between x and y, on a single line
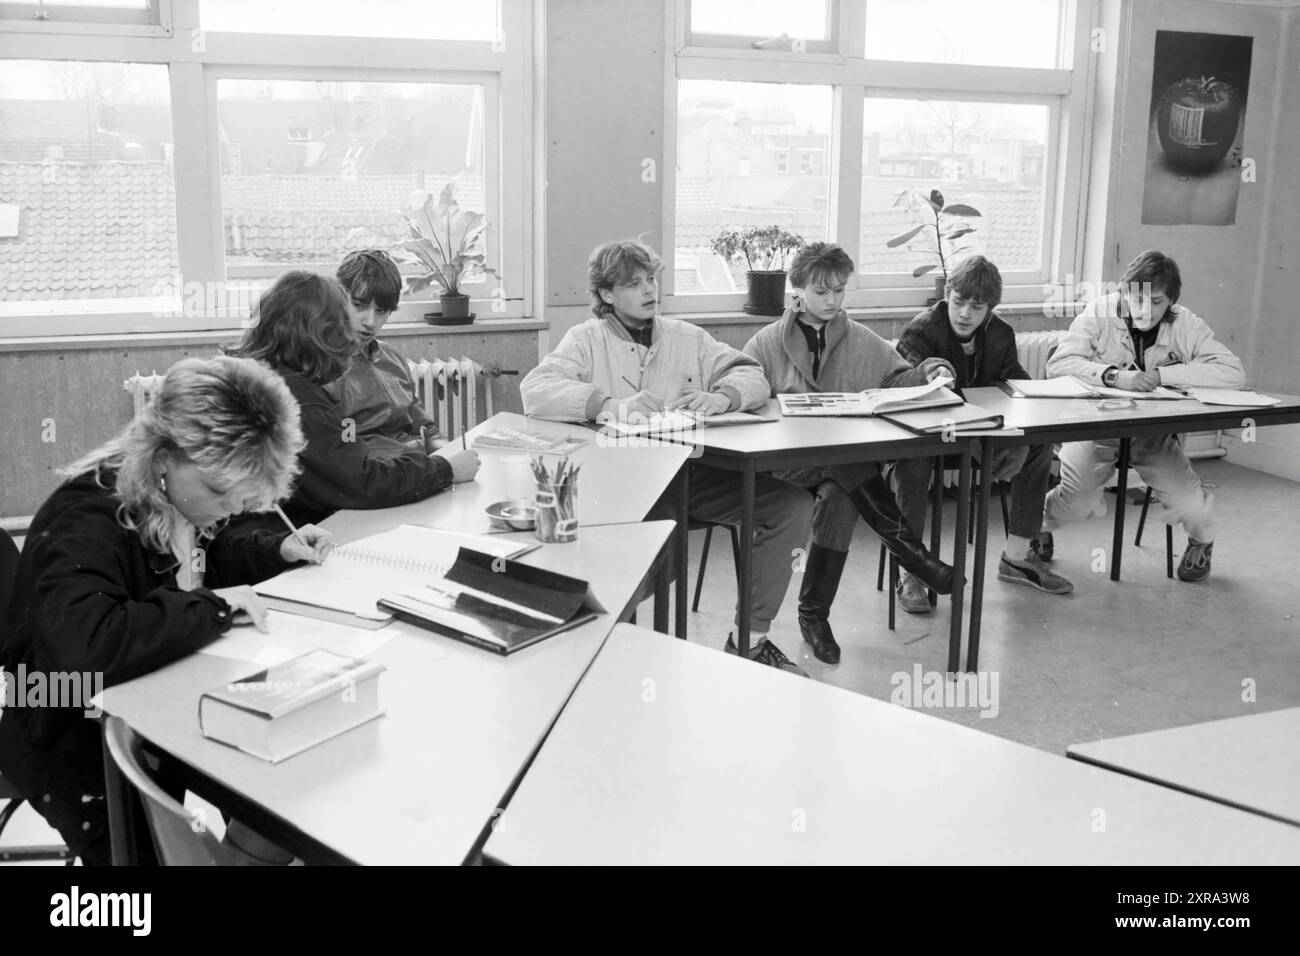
[(285, 518), (629, 381)]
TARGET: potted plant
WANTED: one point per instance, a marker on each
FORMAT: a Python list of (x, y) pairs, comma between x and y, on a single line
[(764, 250), (446, 241), (940, 236)]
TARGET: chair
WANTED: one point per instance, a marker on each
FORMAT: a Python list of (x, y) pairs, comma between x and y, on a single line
[(695, 524), (176, 838), (8, 793), (1169, 533)]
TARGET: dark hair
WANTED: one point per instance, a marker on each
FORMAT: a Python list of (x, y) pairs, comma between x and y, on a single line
[(370, 276), (614, 263), (820, 261), (976, 279), (301, 323), (1157, 269)]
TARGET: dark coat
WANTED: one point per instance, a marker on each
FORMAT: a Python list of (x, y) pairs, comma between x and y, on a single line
[(930, 336)]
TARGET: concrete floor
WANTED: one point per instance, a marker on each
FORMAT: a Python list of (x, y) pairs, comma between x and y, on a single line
[(1111, 659)]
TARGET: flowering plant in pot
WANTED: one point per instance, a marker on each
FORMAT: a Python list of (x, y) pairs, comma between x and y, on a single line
[(446, 242), (764, 250), (940, 235)]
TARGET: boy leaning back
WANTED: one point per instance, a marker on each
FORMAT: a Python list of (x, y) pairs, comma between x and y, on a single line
[(626, 360), (1140, 338)]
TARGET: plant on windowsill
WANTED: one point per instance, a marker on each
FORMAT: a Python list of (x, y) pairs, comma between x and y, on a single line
[(940, 234), (447, 242), (765, 251)]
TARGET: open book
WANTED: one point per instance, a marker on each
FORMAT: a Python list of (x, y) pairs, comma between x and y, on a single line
[(871, 401), (512, 439), (1067, 386), (348, 585), (500, 606)]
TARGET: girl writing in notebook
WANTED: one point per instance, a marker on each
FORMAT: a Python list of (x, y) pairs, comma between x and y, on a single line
[(128, 566)]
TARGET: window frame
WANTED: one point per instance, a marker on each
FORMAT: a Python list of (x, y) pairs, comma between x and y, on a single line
[(853, 78), (154, 19), (196, 59)]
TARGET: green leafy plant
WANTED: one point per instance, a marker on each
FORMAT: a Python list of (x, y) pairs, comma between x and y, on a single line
[(768, 246), (940, 235), (446, 241)]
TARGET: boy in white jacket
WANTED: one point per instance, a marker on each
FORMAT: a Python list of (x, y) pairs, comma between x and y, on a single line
[(627, 361), (1140, 338)]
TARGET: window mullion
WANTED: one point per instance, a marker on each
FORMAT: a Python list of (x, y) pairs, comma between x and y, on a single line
[(845, 200), (196, 161)]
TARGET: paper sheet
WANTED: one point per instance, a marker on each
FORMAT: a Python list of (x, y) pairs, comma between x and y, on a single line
[(1230, 396), (291, 635)]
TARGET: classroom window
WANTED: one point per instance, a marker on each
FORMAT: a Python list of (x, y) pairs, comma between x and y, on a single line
[(382, 148), (986, 155), (85, 163), (734, 148), (760, 18), (54, 14), (1021, 33), (411, 19)]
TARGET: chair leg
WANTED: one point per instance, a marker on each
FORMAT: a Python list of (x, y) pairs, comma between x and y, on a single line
[(1169, 550), (735, 552), (974, 503), (1142, 518), (704, 559), (1006, 514), (880, 569), (893, 588)]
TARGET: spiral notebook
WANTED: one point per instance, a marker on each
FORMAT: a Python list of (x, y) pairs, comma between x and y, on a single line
[(347, 587)]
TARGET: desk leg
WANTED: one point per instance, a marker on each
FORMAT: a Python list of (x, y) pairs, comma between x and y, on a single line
[(680, 588), (959, 560), (981, 546), (746, 573), (121, 821), (1121, 503), (936, 516), (661, 589)]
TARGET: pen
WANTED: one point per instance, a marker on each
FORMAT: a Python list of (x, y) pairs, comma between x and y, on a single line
[(285, 518), (629, 381)]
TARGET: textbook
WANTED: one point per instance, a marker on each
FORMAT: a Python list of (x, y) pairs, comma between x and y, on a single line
[(1230, 396), (934, 421), (346, 587), (1067, 386), (285, 709), (511, 439), (869, 402), (498, 605), (678, 420)]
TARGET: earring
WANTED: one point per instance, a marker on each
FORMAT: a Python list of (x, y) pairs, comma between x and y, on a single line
[(162, 483)]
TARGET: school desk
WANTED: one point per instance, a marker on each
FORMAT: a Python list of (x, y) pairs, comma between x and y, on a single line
[(675, 753), (1044, 420), (420, 784), (1251, 762)]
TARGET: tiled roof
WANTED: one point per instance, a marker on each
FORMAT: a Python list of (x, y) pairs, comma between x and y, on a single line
[(108, 229)]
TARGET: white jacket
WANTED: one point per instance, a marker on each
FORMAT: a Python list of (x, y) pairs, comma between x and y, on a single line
[(1185, 350), (598, 360)]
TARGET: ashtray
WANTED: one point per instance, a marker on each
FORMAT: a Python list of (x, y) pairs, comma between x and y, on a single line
[(519, 514)]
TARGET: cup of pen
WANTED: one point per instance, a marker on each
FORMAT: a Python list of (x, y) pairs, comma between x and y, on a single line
[(556, 497)]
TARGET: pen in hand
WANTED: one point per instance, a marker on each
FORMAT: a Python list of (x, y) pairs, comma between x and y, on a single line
[(289, 524)]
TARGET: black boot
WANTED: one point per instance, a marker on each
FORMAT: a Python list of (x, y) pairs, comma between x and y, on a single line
[(876, 503), (821, 579)]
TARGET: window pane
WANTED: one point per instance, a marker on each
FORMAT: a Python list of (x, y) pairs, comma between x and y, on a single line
[(989, 155), (87, 197), (313, 170), (110, 4), (760, 18), (411, 19), (748, 154), (985, 32)]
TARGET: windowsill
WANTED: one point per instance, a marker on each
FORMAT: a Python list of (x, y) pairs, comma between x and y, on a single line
[(881, 314), (224, 336)]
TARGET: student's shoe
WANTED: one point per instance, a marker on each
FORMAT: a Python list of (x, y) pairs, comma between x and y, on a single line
[(821, 581), (1043, 545), (912, 596), (767, 653), (875, 502), (1195, 565), (1034, 572)]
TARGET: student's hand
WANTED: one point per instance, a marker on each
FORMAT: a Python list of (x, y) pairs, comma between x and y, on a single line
[(242, 599), (316, 543), (464, 462), (702, 403), (934, 368), (641, 405), (1136, 381)]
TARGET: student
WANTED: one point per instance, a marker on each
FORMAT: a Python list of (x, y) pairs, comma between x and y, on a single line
[(377, 391), (815, 348), (1140, 338), (966, 332), (128, 566), (627, 361), (303, 330)]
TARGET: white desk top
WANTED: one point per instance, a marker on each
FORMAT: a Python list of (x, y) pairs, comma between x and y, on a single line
[(1252, 762), (421, 783), (673, 753), (617, 485)]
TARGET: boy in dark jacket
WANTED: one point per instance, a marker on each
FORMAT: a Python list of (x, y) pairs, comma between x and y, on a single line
[(964, 330)]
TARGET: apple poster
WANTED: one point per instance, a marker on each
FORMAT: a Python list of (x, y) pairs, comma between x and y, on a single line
[(1198, 112)]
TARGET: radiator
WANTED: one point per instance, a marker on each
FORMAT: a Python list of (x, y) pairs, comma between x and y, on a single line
[(1034, 348), (142, 388)]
